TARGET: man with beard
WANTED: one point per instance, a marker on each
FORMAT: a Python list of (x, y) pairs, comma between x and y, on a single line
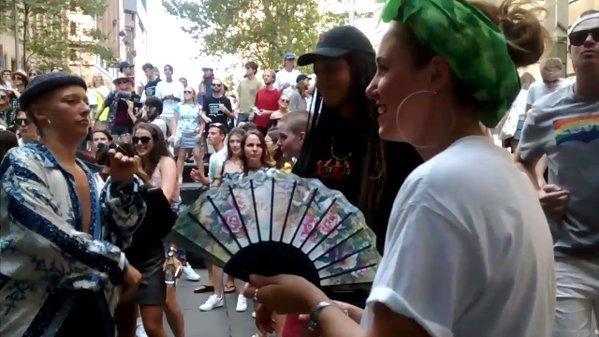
[(267, 101), (247, 90), (217, 106), (297, 99)]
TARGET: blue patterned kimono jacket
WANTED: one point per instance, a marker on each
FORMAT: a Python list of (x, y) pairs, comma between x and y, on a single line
[(42, 249)]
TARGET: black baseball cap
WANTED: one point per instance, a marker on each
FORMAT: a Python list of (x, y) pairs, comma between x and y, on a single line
[(338, 42), (301, 77), (124, 65), (47, 82)]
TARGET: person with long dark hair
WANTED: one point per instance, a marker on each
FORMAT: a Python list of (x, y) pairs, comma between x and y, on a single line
[(157, 162), (468, 249), (342, 147), (255, 152)]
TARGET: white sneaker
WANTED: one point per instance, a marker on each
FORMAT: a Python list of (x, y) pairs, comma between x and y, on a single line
[(253, 314), (242, 303), (212, 302), (139, 328), (190, 274)]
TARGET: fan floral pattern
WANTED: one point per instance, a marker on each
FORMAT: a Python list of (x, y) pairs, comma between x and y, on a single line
[(270, 205)]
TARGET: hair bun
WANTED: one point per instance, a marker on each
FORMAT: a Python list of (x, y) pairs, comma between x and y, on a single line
[(519, 22)]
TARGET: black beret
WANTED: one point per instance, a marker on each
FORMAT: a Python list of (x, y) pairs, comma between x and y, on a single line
[(47, 82)]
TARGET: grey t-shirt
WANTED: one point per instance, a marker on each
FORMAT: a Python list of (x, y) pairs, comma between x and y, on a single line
[(296, 101), (540, 89), (566, 128)]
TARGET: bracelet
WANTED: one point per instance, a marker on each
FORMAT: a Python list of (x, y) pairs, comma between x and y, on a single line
[(313, 323)]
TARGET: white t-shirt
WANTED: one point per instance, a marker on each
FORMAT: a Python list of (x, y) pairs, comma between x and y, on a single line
[(284, 76), (216, 160), (468, 251), (161, 124), (163, 89)]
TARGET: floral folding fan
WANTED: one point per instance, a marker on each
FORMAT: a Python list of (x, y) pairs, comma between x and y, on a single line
[(270, 223)]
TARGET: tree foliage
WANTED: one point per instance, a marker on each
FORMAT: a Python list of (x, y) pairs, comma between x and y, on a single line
[(261, 30), (43, 31)]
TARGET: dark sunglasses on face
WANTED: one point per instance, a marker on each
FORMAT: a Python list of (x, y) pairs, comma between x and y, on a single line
[(188, 92), (217, 85), (578, 38), (22, 121), (285, 100), (144, 140)]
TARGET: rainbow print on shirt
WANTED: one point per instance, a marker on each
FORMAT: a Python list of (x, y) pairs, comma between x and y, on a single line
[(580, 128)]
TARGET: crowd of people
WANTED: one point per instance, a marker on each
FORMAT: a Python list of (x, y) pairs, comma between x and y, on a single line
[(476, 240)]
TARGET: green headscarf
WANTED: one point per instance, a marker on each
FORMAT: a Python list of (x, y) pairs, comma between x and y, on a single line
[(474, 46)]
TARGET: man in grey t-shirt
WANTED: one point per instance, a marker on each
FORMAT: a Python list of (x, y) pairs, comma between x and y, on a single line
[(564, 125), (552, 73), (297, 99)]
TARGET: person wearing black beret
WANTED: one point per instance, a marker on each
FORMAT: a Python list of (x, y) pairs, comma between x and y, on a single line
[(63, 228)]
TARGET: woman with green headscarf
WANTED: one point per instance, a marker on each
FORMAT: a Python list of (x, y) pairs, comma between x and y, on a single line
[(468, 250)]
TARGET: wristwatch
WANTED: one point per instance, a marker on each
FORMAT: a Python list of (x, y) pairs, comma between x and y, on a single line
[(313, 323)]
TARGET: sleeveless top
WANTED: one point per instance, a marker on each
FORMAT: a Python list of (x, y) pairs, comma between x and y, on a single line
[(156, 181), (228, 176)]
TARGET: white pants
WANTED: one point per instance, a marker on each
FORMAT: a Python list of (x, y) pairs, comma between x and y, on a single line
[(577, 308)]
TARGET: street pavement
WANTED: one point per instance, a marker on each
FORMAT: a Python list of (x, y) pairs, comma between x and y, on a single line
[(220, 322)]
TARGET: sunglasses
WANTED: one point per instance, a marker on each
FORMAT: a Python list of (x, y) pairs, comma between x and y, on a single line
[(3, 96), (144, 140), (22, 121), (285, 100), (578, 38), (217, 85), (188, 92)]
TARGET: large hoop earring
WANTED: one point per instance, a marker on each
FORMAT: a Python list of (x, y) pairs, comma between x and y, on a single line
[(398, 124)]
